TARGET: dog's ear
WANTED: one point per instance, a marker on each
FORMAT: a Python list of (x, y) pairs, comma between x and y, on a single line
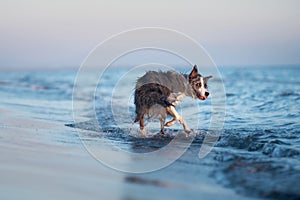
[(193, 72), (206, 78)]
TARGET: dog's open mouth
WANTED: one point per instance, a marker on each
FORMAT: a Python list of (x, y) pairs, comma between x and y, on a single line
[(201, 97)]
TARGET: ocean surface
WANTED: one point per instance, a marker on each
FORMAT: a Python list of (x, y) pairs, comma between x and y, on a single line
[(257, 154)]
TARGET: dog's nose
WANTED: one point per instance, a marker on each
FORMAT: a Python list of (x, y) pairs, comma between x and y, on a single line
[(206, 94)]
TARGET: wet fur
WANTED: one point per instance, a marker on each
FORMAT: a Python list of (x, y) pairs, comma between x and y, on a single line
[(157, 94)]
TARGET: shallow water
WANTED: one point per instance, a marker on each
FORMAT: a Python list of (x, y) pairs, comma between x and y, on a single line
[(257, 154)]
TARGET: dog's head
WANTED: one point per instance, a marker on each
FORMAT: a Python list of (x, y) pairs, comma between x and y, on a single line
[(199, 84)]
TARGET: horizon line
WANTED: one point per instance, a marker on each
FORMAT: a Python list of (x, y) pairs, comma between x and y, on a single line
[(58, 68)]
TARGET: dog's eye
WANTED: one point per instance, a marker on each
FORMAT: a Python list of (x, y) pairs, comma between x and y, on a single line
[(198, 84), (205, 85)]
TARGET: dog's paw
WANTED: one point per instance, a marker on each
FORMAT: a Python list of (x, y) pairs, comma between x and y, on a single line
[(143, 132), (187, 130)]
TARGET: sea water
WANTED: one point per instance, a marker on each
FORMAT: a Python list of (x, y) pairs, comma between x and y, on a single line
[(257, 153)]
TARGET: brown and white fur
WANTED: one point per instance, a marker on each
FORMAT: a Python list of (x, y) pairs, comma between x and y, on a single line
[(157, 94)]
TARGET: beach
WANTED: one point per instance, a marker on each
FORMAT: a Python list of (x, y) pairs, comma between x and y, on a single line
[(34, 167)]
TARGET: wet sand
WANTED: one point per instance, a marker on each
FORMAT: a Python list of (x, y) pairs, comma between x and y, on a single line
[(33, 166)]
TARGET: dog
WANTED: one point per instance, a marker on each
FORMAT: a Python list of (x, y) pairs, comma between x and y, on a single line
[(158, 93)]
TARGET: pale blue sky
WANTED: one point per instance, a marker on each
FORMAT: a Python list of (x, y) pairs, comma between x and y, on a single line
[(54, 34)]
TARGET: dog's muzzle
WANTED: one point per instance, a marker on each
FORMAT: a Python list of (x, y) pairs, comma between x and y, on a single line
[(203, 97)]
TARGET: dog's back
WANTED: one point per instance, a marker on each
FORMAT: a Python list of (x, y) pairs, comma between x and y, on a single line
[(155, 88), (172, 80)]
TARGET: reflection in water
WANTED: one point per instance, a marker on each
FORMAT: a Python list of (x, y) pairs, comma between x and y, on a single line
[(145, 181)]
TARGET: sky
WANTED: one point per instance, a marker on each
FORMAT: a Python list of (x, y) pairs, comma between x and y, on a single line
[(58, 34)]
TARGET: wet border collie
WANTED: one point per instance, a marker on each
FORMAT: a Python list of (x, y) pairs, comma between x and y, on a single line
[(158, 93)]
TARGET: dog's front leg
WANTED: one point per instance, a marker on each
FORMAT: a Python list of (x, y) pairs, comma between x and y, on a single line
[(172, 111), (186, 128)]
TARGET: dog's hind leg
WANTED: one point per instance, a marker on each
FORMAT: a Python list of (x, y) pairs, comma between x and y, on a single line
[(142, 125), (140, 118), (162, 119), (172, 111)]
